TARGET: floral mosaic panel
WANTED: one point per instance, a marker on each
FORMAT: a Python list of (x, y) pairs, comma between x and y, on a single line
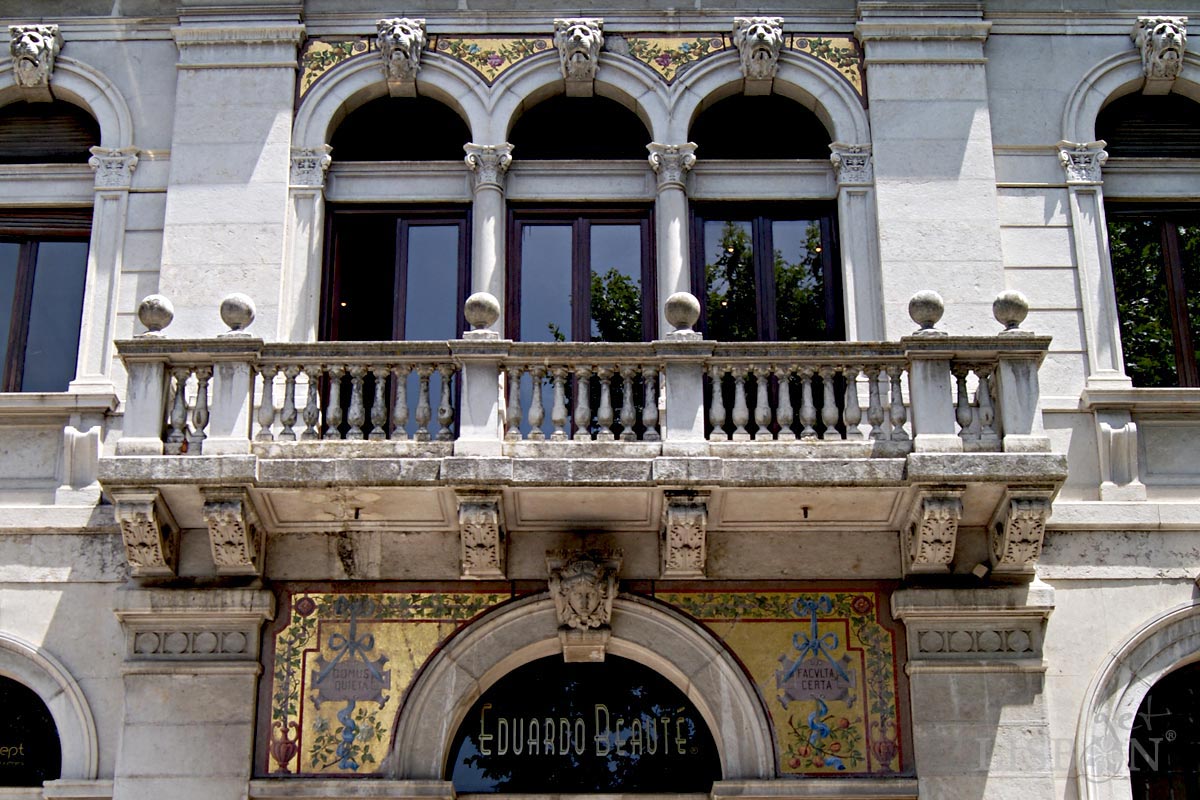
[(825, 664)]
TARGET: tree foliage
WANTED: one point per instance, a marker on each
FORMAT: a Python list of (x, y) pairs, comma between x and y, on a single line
[(616, 307)]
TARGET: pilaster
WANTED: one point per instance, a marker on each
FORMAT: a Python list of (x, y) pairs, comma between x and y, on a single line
[(671, 162), (308, 169), (862, 281)]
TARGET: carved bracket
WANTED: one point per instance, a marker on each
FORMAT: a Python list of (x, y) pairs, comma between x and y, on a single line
[(684, 535), (34, 48), (758, 40), (309, 165), (481, 534), (234, 532), (1082, 161), (929, 541), (114, 167), (149, 532), (1162, 42), (583, 585), (1120, 476), (671, 162), (852, 164), (401, 42), (1017, 530), (579, 42), (489, 162)]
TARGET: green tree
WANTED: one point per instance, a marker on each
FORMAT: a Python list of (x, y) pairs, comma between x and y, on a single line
[(731, 302), (800, 292), (616, 307)]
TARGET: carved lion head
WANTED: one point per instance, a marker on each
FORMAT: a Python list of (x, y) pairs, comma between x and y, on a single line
[(401, 41), (1162, 41), (758, 40), (33, 50), (578, 42)]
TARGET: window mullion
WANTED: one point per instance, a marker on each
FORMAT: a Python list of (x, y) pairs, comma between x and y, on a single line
[(401, 280), (581, 291), (1185, 353), (764, 278), (18, 331)]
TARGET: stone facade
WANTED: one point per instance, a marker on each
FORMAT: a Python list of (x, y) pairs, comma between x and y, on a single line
[(962, 531)]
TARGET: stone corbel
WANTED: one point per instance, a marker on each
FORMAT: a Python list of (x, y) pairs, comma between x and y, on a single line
[(684, 538), (1017, 530), (401, 42), (671, 162), (148, 531), (489, 162), (852, 164), (578, 42), (237, 537), (33, 49), (758, 40), (1120, 477), (1082, 161), (310, 165), (114, 166), (929, 540), (1162, 42), (481, 536), (583, 585)]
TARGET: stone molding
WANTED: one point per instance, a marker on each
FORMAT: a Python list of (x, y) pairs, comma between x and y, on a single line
[(1082, 161), (578, 41), (671, 162), (237, 538), (583, 585), (758, 41), (114, 166), (189, 35), (1017, 530), (148, 530), (929, 541), (310, 165), (34, 49), (489, 162), (481, 536), (401, 42), (852, 163), (684, 536), (193, 625), (67, 789), (1162, 42)]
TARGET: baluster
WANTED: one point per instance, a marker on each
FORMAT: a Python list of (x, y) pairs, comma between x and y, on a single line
[(357, 414), (987, 413), (808, 411), (628, 411), (312, 406), (604, 415), (785, 414), (963, 412), (829, 409), (424, 409), (716, 409), (266, 408), (379, 404), (583, 408), (874, 407), (899, 414), (537, 412), (762, 403), (333, 413), (197, 435), (650, 404), (741, 414), (445, 412), (853, 413), (287, 415), (400, 407), (558, 412), (177, 420), (512, 412)]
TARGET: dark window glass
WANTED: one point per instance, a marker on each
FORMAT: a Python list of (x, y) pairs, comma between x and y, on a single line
[(546, 252), (401, 129), (1156, 274), (1149, 126), (46, 133), (720, 130), (553, 727), (1165, 739), (29, 749), (579, 127)]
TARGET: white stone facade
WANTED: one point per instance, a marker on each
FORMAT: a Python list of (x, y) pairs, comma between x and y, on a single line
[(1032, 518)]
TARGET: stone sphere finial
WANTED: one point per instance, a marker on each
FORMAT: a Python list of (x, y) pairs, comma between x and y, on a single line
[(1010, 309), (481, 310), (683, 312), (237, 311), (155, 312), (926, 308)]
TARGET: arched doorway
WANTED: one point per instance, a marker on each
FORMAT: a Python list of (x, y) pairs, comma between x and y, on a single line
[(1165, 738), (30, 752)]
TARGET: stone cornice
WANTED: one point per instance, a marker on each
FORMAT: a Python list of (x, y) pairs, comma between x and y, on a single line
[(187, 35)]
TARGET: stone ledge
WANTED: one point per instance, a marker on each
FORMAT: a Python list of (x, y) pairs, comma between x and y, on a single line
[(145, 470), (819, 789), (193, 625), (1016, 468), (270, 789), (1131, 516), (67, 789)]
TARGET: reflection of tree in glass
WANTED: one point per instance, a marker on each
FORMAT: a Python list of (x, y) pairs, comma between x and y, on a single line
[(616, 307), (732, 315), (800, 291)]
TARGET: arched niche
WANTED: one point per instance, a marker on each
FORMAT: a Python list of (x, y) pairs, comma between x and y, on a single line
[(602, 129), (35, 668), (1150, 126), (1113, 78), (653, 635), (719, 129), (401, 129), (79, 84), (47, 133)]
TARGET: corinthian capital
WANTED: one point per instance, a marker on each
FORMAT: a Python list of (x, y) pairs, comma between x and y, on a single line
[(489, 162), (852, 163), (114, 166), (1082, 161), (309, 165), (671, 162)]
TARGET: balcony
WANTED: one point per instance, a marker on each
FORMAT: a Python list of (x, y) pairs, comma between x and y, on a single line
[(919, 436)]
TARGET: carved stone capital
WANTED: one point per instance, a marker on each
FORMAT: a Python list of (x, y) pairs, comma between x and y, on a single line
[(489, 162), (578, 41), (148, 531), (1162, 42), (114, 167), (932, 532), (309, 165), (1017, 530), (401, 42), (1082, 161), (176, 628), (684, 535), (234, 532), (481, 534), (34, 48), (583, 585), (758, 40), (671, 162), (852, 163)]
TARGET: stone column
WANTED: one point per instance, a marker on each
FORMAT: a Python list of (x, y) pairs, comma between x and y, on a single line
[(859, 244), (977, 680), (191, 673), (300, 310), (489, 162), (671, 162)]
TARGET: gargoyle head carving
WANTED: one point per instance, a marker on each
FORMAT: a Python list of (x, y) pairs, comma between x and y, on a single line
[(758, 41), (578, 42), (1162, 41), (401, 42), (34, 48)]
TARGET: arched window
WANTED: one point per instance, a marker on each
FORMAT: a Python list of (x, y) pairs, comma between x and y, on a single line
[(1165, 739), (400, 129), (30, 752)]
